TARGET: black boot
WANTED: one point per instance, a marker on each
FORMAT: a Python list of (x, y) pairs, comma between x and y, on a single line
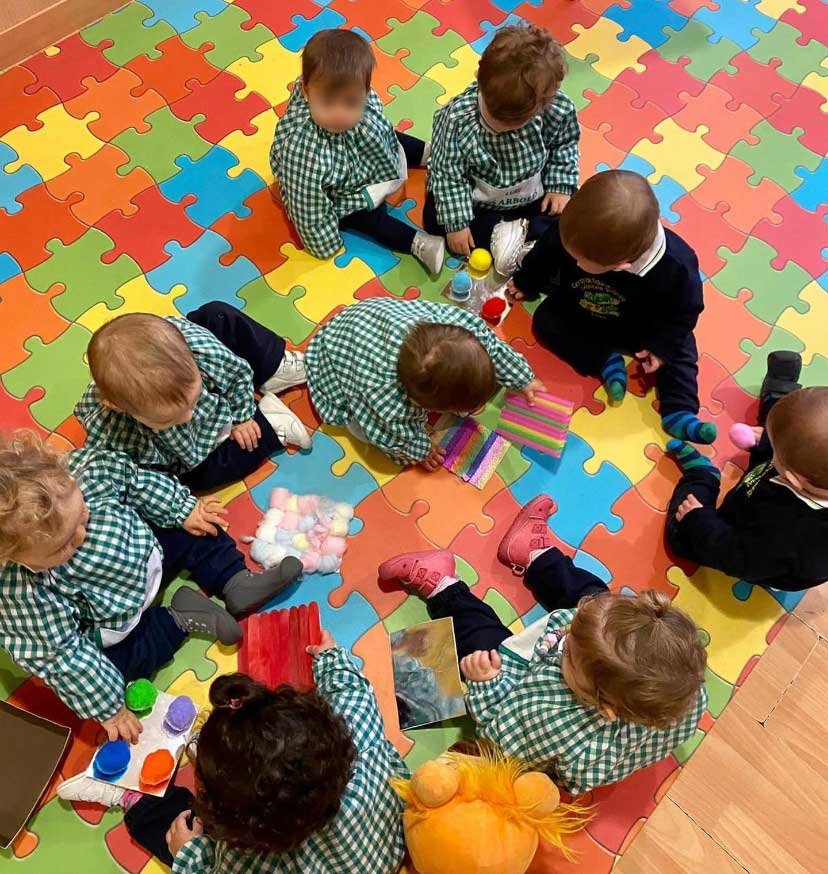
[(781, 379)]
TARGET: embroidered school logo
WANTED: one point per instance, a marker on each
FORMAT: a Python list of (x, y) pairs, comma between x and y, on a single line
[(598, 298), (754, 477)]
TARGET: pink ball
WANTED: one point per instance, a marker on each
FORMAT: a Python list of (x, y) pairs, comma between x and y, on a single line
[(334, 546), (308, 504), (310, 561), (290, 521), (742, 436), (279, 497)]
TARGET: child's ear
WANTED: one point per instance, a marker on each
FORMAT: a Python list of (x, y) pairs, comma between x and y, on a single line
[(608, 712), (625, 266), (110, 406), (794, 479)]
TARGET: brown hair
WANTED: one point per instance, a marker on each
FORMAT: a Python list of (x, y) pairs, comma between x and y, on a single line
[(611, 219), (335, 59), (33, 479), (798, 430), (445, 367), (271, 765), (140, 361), (642, 656), (520, 71)]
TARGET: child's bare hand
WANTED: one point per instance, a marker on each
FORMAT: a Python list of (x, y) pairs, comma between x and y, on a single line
[(554, 203), (689, 504), (529, 391), (434, 460), (649, 363), (326, 642), (206, 515), (179, 833), (481, 665), (513, 293), (125, 725), (246, 434), (461, 242)]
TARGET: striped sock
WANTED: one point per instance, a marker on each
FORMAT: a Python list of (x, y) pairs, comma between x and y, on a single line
[(690, 458), (687, 426), (614, 377)]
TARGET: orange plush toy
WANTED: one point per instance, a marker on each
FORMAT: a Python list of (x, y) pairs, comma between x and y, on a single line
[(482, 814)]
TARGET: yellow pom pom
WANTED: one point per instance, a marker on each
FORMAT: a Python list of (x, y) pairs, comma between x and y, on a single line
[(292, 504), (480, 261), (300, 541)]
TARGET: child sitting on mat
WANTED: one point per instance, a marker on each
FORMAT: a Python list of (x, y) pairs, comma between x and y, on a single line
[(87, 541), (378, 367), (178, 394), (286, 781), (617, 282), (602, 686)]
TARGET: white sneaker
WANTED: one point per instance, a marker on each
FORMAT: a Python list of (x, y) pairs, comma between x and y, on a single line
[(83, 788), (291, 372), (287, 425), (429, 250), (507, 242)]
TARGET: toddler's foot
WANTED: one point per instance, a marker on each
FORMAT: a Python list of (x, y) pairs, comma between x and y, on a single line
[(290, 372), (429, 250), (287, 425), (426, 572), (509, 246), (691, 459), (614, 377), (246, 592), (685, 425), (83, 788), (196, 614), (529, 533)]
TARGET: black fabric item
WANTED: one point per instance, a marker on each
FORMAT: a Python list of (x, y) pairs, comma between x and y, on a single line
[(148, 820)]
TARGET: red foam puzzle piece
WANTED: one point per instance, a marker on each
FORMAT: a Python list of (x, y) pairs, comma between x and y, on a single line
[(812, 23), (64, 72), (664, 83), (373, 18), (754, 84), (558, 17), (177, 65), (727, 126), (276, 17), (620, 115), (706, 231), (806, 109), (800, 236), (20, 108), (464, 18)]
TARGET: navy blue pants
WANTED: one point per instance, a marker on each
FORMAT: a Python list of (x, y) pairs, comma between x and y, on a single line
[(147, 820), (263, 351), (484, 221), (378, 223), (211, 561), (552, 578), (676, 380)]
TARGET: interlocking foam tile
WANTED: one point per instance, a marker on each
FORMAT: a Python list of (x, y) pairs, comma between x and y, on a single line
[(134, 174)]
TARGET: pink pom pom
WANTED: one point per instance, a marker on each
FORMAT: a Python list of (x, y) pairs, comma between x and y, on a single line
[(290, 521), (308, 504), (742, 436), (311, 561), (279, 497), (334, 546)]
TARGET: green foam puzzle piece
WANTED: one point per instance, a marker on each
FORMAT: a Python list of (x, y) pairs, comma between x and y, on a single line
[(781, 42), (410, 274), (776, 156), (412, 611), (230, 42), (751, 374), (719, 693), (11, 676), (705, 58), (424, 47), (57, 367), (88, 280), (156, 149), (581, 76), (276, 311), (773, 291), (506, 613), (432, 741), (815, 373), (417, 104), (685, 750), (128, 33)]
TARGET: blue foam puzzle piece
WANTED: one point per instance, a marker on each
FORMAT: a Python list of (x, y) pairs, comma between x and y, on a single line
[(8, 267), (12, 185), (181, 14), (197, 268), (533, 615), (589, 562), (479, 45), (735, 21), (366, 36), (294, 40), (376, 256), (511, 5), (788, 600), (584, 500), (216, 193), (814, 189), (667, 191), (646, 21)]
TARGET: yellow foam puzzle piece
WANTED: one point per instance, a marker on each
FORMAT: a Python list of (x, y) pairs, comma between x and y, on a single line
[(613, 55), (818, 82), (139, 297), (253, 151), (374, 460), (269, 76), (738, 629), (776, 8), (455, 79), (45, 149), (808, 327), (679, 154)]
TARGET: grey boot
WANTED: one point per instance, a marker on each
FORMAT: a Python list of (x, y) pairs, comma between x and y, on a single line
[(196, 614), (246, 592)]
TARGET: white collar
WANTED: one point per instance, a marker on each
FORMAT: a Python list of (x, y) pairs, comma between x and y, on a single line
[(644, 263), (813, 503)]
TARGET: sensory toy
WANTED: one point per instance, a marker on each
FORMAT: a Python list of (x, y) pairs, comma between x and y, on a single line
[(180, 714), (157, 768), (140, 696), (472, 451), (541, 425), (112, 760), (135, 152)]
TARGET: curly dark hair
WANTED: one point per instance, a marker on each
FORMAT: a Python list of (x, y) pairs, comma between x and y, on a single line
[(271, 766)]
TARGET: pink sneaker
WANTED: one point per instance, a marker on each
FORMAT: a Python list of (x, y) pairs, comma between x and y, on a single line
[(527, 533), (420, 571)]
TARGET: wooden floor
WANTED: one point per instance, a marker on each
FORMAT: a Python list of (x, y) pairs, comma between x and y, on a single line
[(754, 797)]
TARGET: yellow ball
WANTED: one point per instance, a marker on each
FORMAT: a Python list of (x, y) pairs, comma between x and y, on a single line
[(480, 261)]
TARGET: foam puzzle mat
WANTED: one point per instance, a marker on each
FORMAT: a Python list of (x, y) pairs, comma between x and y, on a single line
[(134, 177)]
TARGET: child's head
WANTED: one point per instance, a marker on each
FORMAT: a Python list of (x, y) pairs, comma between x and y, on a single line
[(43, 515), (445, 368), (520, 72), (271, 766), (336, 77), (798, 430), (143, 366), (636, 658), (610, 221)]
